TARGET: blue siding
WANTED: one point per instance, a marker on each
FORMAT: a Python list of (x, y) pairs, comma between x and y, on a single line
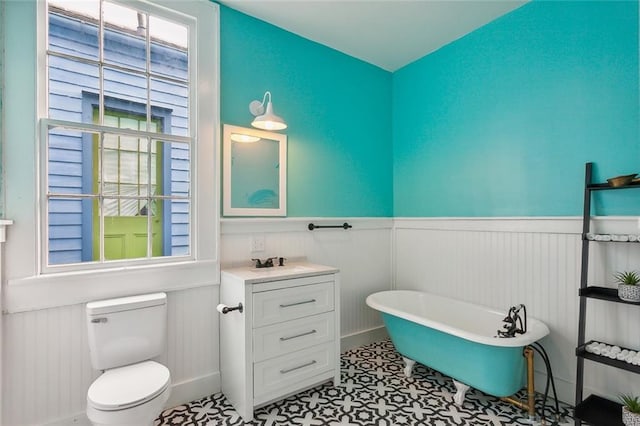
[(73, 86)]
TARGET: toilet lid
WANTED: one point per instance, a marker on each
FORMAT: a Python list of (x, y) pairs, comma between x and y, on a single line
[(128, 386)]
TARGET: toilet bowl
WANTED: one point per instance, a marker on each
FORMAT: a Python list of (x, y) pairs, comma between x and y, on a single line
[(125, 334), (132, 395)]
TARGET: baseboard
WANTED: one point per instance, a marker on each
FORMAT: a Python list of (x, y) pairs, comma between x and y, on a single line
[(193, 389), (181, 393), (362, 338), (565, 388), (79, 419)]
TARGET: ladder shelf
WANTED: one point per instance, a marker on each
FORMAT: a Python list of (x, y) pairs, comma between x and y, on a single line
[(594, 409)]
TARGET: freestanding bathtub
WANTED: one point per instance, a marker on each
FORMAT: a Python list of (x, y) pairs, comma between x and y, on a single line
[(456, 339)]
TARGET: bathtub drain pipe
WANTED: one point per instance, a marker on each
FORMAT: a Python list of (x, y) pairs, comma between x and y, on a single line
[(530, 405)]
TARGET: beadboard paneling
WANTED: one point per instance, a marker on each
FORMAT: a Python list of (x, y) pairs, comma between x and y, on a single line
[(495, 262), (502, 262), (47, 366), (362, 253)]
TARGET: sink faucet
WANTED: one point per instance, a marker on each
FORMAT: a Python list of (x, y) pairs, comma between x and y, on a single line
[(267, 263)]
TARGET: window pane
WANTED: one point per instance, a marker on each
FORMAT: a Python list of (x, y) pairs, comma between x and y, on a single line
[(70, 230), (178, 230), (172, 100), (70, 165), (173, 174), (127, 93), (110, 168), (69, 83), (73, 27), (169, 54), (124, 36), (125, 237)]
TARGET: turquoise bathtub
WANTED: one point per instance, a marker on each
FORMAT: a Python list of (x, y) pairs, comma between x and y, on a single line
[(456, 339)]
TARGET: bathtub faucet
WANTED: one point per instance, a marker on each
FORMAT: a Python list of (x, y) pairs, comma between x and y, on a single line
[(514, 323)]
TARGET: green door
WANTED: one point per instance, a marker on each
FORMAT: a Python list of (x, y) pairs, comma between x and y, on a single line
[(131, 169)]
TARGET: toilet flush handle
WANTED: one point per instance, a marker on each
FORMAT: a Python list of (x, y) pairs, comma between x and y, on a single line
[(98, 320)]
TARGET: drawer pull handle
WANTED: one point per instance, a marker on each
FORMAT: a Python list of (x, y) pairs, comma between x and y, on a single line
[(289, 370), (297, 303), (298, 335)]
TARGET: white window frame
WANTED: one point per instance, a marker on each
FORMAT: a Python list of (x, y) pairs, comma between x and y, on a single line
[(31, 284)]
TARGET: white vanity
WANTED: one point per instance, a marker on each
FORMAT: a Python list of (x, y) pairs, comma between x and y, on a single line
[(287, 337)]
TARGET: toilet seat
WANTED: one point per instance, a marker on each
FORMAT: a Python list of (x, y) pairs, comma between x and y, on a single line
[(126, 387)]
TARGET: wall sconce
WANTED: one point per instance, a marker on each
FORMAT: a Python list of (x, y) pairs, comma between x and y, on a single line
[(266, 119)]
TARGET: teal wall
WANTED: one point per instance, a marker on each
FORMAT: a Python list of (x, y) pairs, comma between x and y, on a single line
[(337, 108), (501, 122), (498, 123)]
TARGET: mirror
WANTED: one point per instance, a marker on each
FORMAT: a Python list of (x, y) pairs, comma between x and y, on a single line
[(254, 172)]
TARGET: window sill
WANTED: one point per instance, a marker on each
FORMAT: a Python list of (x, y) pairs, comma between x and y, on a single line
[(54, 290), (3, 232)]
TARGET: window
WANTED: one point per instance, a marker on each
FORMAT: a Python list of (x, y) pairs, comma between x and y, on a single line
[(113, 195), (126, 180)]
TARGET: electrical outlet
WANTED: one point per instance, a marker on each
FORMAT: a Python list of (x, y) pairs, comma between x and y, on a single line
[(257, 243)]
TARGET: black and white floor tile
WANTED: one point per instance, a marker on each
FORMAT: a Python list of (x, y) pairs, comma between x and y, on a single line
[(373, 392)]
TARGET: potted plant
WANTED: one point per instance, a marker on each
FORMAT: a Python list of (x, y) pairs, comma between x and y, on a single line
[(628, 286), (630, 410)]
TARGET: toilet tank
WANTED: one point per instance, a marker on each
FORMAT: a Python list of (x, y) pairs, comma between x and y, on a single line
[(126, 330)]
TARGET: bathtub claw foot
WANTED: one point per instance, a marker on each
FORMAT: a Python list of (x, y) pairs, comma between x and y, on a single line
[(408, 366), (461, 389)]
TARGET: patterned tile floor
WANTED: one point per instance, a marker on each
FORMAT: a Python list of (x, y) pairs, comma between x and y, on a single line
[(374, 392)]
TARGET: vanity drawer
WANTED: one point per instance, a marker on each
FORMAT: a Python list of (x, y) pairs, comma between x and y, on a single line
[(279, 339), (275, 377), (271, 307)]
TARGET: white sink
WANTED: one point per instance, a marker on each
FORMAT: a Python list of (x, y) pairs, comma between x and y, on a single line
[(281, 269)]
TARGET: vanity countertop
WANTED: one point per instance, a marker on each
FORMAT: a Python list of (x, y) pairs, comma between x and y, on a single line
[(253, 275)]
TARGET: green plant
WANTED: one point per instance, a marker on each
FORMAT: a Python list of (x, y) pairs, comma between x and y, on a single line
[(627, 277), (631, 402)]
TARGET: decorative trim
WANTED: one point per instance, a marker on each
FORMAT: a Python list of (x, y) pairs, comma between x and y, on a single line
[(362, 338), (181, 393), (196, 388), (299, 224), (3, 229), (54, 290), (78, 419), (554, 225)]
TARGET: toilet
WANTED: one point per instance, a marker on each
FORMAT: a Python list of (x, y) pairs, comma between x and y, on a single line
[(124, 334)]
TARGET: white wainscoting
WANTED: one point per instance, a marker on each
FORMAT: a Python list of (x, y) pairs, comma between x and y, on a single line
[(363, 254), (47, 369), (496, 262), (500, 262)]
